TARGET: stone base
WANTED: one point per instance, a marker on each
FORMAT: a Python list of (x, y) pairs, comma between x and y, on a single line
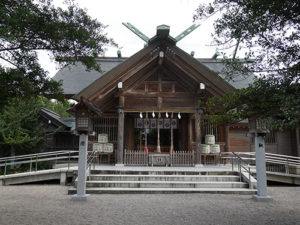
[(119, 164), (79, 198), (199, 165), (159, 160), (262, 198)]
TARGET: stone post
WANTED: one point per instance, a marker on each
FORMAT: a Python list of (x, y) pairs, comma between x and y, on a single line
[(260, 166), (82, 164), (259, 134)]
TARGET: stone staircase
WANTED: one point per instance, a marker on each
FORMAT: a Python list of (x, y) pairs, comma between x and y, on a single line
[(125, 181)]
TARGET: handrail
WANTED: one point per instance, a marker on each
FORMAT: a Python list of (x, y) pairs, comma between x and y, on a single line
[(295, 158), (274, 160), (34, 159), (246, 168), (36, 154), (90, 159)]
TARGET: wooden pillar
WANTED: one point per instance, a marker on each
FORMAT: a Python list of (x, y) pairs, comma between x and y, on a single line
[(227, 141), (190, 133), (120, 151), (141, 140), (158, 134), (172, 135), (198, 138), (146, 128), (159, 105), (129, 133), (183, 134)]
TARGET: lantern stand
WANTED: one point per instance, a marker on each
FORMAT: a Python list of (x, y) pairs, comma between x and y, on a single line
[(259, 134), (83, 111)]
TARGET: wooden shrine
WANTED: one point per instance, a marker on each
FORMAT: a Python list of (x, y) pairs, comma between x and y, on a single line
[(152, 101)]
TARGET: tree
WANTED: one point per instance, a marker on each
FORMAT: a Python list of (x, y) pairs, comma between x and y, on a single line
[(20, 130), (276, 104), (60, 107), (269, 32), (28, 26)]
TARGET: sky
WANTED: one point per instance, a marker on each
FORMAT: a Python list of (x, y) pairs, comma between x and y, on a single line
[(146, 16)]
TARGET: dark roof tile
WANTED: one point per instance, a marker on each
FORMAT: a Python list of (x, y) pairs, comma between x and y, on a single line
[(75, 77)]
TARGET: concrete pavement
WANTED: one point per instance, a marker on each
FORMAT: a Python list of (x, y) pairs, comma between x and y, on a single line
[(50, 204)]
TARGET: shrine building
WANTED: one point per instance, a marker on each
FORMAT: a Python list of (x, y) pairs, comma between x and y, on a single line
[(152, 102)]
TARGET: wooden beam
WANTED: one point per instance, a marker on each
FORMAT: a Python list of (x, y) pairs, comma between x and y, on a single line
[(146, 136), (187, 73), (190, 132), (172, 135), (185, 83), (158, 94), (150, 109), (158, 135), (196, 77), (141, 140), (113, 84), (114, 73), (199, 68), (159, 81), (138, 80), (159, 103), (107, 103), (120, 151)]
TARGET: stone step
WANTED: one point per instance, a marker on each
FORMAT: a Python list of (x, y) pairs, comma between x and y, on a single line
[(241, 191), (164, 184), (120, 177), (163, 172)]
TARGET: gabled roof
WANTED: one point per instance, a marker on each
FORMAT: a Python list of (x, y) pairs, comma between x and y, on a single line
[(238, 81), (83, 103), (75, 77), (90, 84), (68, 124), (128, 66)]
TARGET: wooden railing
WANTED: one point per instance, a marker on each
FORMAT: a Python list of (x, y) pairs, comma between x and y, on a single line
[(182, 158), (141, 158), (135, 158)]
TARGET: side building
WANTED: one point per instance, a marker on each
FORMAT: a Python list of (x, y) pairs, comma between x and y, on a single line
[(59, 132)]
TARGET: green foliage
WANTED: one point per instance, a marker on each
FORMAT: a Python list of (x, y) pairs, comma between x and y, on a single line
[(14, 83), (264, 100), (28, 26), (59, 107), (266, 30), (269, 32), (19, 128)]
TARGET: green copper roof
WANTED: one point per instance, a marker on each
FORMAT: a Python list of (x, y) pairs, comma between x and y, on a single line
[(162, 32)]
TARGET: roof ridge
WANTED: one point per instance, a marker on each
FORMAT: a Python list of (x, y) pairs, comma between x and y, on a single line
[(48, 110)]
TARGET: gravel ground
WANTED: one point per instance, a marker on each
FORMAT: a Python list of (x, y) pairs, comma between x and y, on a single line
[(50, 204)]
